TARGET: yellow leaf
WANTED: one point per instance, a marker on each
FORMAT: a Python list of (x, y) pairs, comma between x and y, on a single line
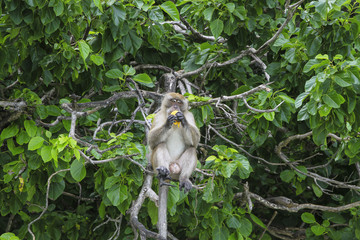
[(21, 185)]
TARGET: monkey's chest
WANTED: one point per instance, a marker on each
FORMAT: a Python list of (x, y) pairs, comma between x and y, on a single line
[(175, 144)]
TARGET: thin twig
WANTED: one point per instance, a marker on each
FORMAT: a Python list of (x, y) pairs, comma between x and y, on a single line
[(46, 201)]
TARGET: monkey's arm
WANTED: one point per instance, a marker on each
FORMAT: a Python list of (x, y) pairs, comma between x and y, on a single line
[(159, 130), (191, 133)]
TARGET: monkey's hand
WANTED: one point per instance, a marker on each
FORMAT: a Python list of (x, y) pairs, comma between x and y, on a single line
[(163, 172), (181, 118), (186, 185), (171, 120), (164, 175)]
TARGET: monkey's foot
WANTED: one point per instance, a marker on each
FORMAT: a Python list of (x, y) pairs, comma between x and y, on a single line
[(162, 182), (163, 172), (186, 185)]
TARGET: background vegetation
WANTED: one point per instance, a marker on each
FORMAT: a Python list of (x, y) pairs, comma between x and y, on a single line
[(274, 87)]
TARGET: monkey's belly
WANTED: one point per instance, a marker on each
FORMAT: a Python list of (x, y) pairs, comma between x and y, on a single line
[(175, 144)]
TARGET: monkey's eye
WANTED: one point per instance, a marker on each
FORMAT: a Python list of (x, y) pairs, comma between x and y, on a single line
[(173, 100), (179, 101)]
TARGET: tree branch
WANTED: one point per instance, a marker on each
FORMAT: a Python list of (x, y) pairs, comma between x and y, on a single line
[(46, 203)]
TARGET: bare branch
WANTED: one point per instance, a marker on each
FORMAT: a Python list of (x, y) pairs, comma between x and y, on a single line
[(136, 206), (153, 66), (17, 106), (46, 201), (294, 207), (235, 97), (284, 158), (57, 121), (78, 197), (242, 149), (268, 225), (199, 35), (260, 110), (276, 35)]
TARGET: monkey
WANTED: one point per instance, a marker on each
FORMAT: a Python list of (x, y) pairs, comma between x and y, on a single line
[(172, 141)]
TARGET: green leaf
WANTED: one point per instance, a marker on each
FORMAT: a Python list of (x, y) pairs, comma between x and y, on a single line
[(287, 175), (132, 42), (119, 14), (114, 73), (314, 45), (308, 218), (102, 210), (9, 132), (35, 143), (333, 99), (312, 63), (342, 82), (208, 13), (322, 57), (246, 227), (173, 198), (312, 107), (46, 153), (143, 79), (52, 26), (322, 8), (41, 111), (290, 55), (98, 5), (9, 236), (230, 7), (299, 100), (53, 110), (155, 35), (324, 110), (318, 230), (110, 181), (257, 221), (30, 127), (153, 212), (56, 189), (208, 191), (78, 170), (220, 233), (129, 70), (22, 137), (170, 8), (58, 7), (112, 88), (303, 114), (13, 149), (269, 116), (228, 168), (216, 27), (98, 60), (114, 194), (300, 175), (316, 190), (233, 222), (84, 49), (310, 84)]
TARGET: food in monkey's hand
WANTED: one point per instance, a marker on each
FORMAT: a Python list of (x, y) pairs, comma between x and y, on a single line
[(177, 123)]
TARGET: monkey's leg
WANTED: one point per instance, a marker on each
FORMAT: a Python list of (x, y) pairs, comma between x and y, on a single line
[(187, 162), (160, 161)]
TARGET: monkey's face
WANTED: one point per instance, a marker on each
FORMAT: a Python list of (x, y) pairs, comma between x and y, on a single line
[(175, 105), (175, 102)]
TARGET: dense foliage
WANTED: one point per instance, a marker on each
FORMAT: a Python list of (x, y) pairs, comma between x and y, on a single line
[(274, 87)]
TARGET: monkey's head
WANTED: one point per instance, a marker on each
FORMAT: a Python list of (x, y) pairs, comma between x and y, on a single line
[(174, 101)]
